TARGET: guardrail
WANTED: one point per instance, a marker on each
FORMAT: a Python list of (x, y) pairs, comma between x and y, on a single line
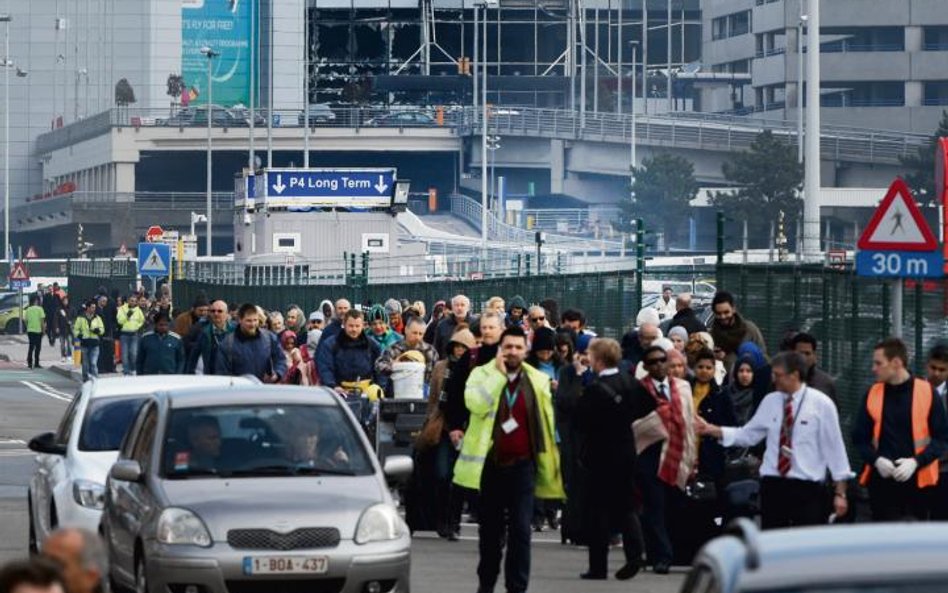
[(844, 144), (688, 129), (568, 220), (470, 210)]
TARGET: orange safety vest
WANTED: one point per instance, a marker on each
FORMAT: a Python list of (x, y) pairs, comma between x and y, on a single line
[(922, 396)]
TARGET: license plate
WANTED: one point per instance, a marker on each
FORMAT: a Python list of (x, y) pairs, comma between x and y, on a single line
[(286, 565)]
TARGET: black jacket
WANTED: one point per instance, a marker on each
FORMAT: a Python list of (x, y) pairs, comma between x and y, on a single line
[(451, 404), (688, 319), (718, 409), (444, 331), (606, 411)]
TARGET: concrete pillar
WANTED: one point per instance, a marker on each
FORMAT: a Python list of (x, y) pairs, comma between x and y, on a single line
[(913, 93), (557, 166), (914, 37), (125, 178)]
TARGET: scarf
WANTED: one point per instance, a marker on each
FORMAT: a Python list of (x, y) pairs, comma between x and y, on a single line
[(730, 338), (679, 451)]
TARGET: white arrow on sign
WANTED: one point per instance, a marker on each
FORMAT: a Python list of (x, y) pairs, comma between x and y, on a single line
[(381, 186), (278, 187)]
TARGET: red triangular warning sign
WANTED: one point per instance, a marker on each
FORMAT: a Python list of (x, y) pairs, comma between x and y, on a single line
[(18, 272), (123, 250), (31, 253), (898, 224)]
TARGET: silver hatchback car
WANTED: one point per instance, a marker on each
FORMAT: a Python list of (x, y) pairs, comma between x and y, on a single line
[(253, 489)]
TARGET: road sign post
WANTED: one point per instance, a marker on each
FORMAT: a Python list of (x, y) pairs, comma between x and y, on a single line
[(898, 244)]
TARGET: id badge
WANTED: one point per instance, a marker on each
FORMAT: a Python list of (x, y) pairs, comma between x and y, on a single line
[(788, 451), (510, 425)]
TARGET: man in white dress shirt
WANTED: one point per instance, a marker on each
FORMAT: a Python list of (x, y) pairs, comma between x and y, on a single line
[(803, 442)]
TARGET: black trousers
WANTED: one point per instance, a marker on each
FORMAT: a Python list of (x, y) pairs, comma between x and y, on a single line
[(610, 509), (899, 501), (940, 501), (33, 353), (506, 508), (785, 502), (658, 502)]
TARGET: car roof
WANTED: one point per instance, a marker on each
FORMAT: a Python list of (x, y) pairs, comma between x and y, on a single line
[(146, 384), (834, 554), (249, 394)]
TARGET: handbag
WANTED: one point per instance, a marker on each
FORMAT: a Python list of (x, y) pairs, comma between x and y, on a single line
[(701, 491), (430, 434), (745, 466)]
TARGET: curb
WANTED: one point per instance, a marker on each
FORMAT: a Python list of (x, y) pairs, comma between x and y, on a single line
[(4, 357), (68, 373)]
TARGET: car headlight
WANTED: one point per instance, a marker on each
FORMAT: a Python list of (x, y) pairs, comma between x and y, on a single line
[(181, 526), (380, 523), (89, 494)]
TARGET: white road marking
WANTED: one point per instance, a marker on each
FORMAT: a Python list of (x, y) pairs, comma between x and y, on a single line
[(47, 387), (51, 394)]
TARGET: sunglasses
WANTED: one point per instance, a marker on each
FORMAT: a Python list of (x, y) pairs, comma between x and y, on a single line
[(652, 361), (534, 319), (217, 311)]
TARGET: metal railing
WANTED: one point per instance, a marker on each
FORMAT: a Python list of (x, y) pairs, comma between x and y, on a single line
[(698, 130), (568, 221), (687, 129), (142, 200), (470, 210)]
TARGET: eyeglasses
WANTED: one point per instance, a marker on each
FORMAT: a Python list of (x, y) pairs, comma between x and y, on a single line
[(536, 319), (218, 311), (652, 361)]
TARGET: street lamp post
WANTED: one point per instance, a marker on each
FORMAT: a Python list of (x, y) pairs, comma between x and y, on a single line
[(7, 64), (811, 191), (801, 27), (210, 54), (483, 89)]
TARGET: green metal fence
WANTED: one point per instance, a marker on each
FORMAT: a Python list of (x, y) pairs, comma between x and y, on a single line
[(847, 314), (609, 299)]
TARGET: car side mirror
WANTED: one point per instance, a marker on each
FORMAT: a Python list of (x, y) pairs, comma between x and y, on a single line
[(46, 443), (126, 470), (398, 468)]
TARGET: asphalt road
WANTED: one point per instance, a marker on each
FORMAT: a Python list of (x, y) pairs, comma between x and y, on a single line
[(32, 402)]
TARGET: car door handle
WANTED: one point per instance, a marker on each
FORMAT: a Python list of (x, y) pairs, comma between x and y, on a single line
[(42, 471)]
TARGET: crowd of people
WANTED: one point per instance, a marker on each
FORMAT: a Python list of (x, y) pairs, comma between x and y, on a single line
[(534, 422)]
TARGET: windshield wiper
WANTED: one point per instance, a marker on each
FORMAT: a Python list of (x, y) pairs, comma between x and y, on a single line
[(324, 471), (191, 473)]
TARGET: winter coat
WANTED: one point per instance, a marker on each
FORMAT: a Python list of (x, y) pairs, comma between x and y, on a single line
[(445, 330), (386, 340), (718, 409), (688, 319), (257, 355), (208, 343), (341, 359), (160, 355), (730, 338), (517, 301)]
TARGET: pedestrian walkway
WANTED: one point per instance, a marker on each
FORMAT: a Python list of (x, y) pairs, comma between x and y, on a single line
[(13, 351)]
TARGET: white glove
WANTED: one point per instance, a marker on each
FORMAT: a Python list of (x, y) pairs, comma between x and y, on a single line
[(905, 469), (885, 467)]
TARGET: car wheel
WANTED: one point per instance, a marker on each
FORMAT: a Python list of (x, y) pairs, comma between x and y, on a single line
[(141, 580), (33, 548), (12, 327)]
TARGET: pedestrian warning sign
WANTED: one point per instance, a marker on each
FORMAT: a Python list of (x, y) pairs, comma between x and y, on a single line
[(154, 259), (123, 250), (18, 272), (31, 253), (898, 224)]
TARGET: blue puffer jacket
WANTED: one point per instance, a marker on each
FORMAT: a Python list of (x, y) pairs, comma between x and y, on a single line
[(340, 358), (255, 355)]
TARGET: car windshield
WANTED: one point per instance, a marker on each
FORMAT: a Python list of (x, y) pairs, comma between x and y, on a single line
[(262, 440), (106, 422)]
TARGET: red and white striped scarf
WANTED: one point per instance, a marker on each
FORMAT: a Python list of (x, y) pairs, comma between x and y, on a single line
[(679, 452)]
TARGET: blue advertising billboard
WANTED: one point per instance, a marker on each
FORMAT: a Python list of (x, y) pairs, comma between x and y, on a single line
[(225, 27)]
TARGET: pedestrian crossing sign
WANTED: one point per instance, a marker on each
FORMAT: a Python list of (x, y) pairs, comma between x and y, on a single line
[(154, 259), (898, 224)]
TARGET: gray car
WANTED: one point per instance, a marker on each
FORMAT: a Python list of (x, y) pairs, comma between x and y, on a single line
[(253, 489)]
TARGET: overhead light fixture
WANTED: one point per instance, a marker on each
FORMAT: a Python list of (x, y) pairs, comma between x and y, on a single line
[(400, 197)]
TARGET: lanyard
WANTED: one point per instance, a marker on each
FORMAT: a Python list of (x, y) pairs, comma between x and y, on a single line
[(511, 397)]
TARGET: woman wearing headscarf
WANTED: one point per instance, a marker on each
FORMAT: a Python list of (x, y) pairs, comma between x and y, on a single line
[(763, 375), (378, 329), (679, 337), (301, 369)]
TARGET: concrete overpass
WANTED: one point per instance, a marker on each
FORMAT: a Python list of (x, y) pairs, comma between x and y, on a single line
[(585, 155)]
